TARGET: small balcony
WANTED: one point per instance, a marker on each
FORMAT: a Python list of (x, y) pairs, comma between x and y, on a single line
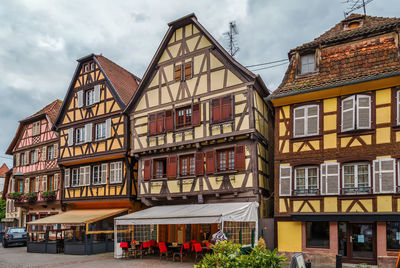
[(22, 199)]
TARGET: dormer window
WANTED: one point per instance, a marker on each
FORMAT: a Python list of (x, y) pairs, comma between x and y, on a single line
[(307, 63), (86, 68), (36, 128)]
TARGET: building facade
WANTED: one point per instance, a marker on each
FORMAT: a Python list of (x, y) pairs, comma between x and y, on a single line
[(337, 145), (200, 129), (34, 186)]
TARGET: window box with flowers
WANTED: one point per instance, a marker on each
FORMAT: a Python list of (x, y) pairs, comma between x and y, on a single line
[(30, 197), (17, 196), (49, 196)]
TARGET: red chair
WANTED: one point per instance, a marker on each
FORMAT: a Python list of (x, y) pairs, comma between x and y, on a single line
[(136, 249), (198, 250), (163, 250), (125, 249), (208, 245), (192, 242), (184, 248)]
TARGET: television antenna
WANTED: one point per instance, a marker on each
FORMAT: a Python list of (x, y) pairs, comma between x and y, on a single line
[(233, 48), (355, 5)]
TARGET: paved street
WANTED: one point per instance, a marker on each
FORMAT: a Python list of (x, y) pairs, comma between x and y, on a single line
[(17, 257)]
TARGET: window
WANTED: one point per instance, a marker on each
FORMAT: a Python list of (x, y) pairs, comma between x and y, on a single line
[(33, 155), (92, 66), (356, 112), (226, 160), (187, 165), (50, 152), (100, 131), (32, 185), (50, 183), (20, 186), (22, 159), (221, 109), (393, 235), (306, 121), (188, 70), (178, 73), (160, 168), (183, 117), (116, 172), (356, 178), (75, 177), (36, 128), (90, 97), (184, 70), (96, 175), (307, 64), (306, 180), (86, 68), (317, 234), (80, 135)]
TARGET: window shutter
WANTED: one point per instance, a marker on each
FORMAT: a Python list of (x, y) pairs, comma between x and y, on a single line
[(67, 178), (169, 120), (178, 73), (70, 137), (363, 111), (312, 120), (210, 162), (36, 155), (188, 70), (79, 97), (147, 169), (96, 93), (299, 121), (285, 181), (87, 175), (81, 176), (104, 168), (108, 128), (26, 186), (196, 116), (112, 172), (17, 159), (348, 113), (88, 132), (13, 186), (330, 178), (44, 153), (55, 150), (160, 122), (172, 166), (37, 184), (226, 111), (44, 183), (199, 163), (120, 171), (384, 175), (152, 124), (216, 110), (240, 158), (56, 182), (26, 158)]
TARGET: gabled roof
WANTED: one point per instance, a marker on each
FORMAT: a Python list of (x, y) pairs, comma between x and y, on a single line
[(50, 111), (123, 83), (3, 170), (344, 65), (191, 18)]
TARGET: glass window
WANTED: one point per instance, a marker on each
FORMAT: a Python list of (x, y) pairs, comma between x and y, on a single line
[(317, 234), (100, 131), (92, 66), (96, 175), (33, 157), (115, 172), (306, 121), (307, 63), (89, 97), (356, 178), (50, 152), (50, 183), (160, 170), (356, 112), (306, 180), (36, 128), (183, 117), (80, 135), (393, 235), (75, 177), (226, 160), (186, 164)]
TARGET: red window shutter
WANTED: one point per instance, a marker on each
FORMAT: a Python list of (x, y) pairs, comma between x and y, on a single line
[(216, 110), (172, 166), (160, 122), (199, 158), (240, 161), (152, 124), (210, 162), (147, 169), (196, 114), (169, 120), (226, 112)]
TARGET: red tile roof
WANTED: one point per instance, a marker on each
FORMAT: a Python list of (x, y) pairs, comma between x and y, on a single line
[(124, 82), (3, 170), (51, 110)]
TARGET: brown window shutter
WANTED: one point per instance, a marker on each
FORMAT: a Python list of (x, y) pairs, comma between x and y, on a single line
[(210, 162), (216, 110), (178, 73), (196, 118), (240, 161), (199, 158), (147, 169), (226, 111), (172, 166), (169, 120), (152, 124), (160, 122), (188, 70)]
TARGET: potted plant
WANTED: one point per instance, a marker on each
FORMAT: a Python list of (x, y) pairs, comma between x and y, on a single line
[(31, 197), (17, 196), (49, 195)]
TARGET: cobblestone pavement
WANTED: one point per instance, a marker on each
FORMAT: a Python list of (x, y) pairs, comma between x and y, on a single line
[(17, 257)]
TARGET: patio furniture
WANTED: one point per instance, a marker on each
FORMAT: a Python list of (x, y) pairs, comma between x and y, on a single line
[(184, 248), (198, 251), (125, 249), (163, 250), (136, 249)]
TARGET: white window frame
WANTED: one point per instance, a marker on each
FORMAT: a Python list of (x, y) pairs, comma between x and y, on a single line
[(306, 118), (116, 172), (355, 108), (100, 128), (80, 135), (50, 152), (308, 56), (379, 161), (285, 177), (98, 182), (74, 177), (89, 97), (306, 177), (356, 174)]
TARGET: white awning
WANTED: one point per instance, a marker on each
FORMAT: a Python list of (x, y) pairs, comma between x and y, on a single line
[(193, 214)]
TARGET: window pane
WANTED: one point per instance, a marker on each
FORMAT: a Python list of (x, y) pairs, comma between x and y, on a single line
[(312, 178), (300, 179), (312, 110), (299, 127), (347, 104), (312, 125), (393, 235), (348, 176), (363, 175), (363, 118), (299, 112), (317, 234), (348, 120)]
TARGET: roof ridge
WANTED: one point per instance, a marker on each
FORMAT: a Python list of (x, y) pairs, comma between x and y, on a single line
[(119, 66)]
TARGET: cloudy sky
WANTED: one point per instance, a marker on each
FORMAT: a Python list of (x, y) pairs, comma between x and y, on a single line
[(41, 40)]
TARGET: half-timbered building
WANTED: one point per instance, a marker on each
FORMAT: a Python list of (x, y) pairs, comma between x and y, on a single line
[(337, 144), (200, 129), (33, 188)]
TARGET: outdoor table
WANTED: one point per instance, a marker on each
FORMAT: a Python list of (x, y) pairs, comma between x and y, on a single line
[(175, 248)]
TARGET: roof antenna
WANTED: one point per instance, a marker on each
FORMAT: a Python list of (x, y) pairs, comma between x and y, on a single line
[(233, 48), (355, 5)]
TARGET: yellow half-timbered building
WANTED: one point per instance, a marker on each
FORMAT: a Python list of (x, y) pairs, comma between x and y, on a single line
[(337, 145), (200, 128)]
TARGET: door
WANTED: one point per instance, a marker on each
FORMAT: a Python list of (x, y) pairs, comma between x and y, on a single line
[(357, 242)]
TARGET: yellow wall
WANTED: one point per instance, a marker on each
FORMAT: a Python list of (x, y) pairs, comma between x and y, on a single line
[(289, 236)]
